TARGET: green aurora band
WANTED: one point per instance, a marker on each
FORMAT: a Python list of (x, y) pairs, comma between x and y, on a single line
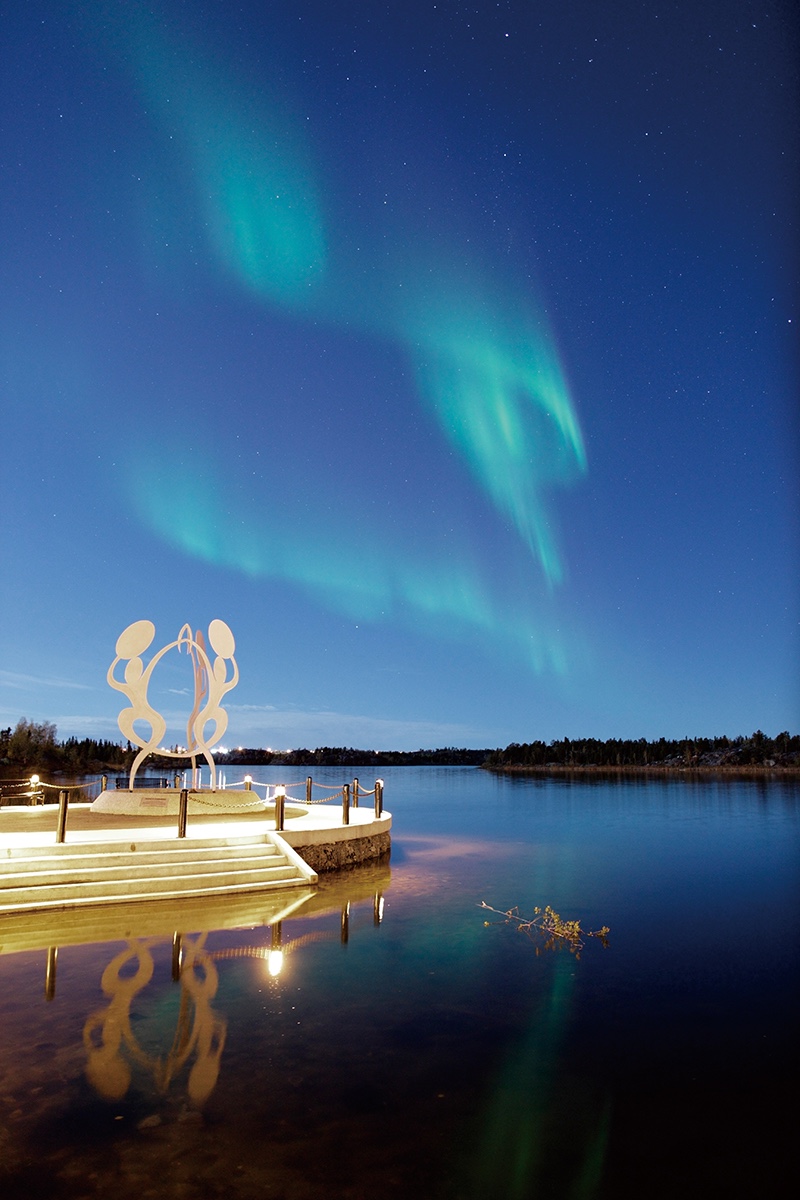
[(500, 397), (194, 509), (486, 366)]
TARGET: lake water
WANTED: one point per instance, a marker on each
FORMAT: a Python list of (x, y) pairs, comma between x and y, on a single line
[(406, 1048)]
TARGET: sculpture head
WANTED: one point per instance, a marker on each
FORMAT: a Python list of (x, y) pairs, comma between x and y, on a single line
[(221, 639), (135, 639)]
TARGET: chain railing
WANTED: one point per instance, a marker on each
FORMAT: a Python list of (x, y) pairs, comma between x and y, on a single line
[(35, 793), (349, 793)]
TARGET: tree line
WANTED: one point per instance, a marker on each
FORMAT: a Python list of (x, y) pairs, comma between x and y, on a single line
[(34, 745), (337, 756), (758, 750)]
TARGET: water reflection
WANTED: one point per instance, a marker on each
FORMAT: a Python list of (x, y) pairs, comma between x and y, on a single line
[(121, 1038), (433, 1056), (109, 1036), (533, 1143)]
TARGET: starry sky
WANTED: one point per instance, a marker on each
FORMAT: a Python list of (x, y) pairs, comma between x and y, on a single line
[(446, 351)]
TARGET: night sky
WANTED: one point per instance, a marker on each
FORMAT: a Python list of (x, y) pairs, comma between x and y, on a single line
[(447, 352)]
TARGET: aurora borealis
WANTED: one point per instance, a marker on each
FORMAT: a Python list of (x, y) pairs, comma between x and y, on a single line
[(445, 354)]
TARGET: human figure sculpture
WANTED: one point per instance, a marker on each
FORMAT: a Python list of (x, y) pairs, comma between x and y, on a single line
[(131, 644), (223, 644), (210, 685)]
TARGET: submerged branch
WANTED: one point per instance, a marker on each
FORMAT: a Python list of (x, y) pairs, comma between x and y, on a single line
[(547, 923)]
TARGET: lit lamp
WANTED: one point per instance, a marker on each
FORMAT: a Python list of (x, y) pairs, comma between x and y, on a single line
[(34, 786), (248, 783)]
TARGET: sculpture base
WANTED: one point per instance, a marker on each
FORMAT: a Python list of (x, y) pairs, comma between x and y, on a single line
[(165, 802)]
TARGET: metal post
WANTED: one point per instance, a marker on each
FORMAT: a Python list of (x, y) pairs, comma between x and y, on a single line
[(248, 783), (355, 793), (280, 800), (182, 812), (346, 804), (104, 783), (345, 926), (309, 785), (177, 782), (50, 973), (177, 954), (378, 797), (63, 801)]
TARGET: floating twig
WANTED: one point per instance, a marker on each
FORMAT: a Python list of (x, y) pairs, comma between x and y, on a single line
[(547, 923)]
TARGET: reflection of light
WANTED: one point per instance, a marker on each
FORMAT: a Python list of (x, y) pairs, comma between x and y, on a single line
[(379, 908), (275, 962)]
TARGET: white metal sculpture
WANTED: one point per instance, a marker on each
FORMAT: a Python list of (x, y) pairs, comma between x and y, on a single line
[(211, 682)]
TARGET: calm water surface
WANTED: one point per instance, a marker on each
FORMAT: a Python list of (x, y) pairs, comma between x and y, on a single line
[(406, 1048)]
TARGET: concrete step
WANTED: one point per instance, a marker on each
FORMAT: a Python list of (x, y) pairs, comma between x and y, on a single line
[(57, 851), (134, 886), (69, 876), (37, 867), (79, 901), (62, 876), (36, 875)]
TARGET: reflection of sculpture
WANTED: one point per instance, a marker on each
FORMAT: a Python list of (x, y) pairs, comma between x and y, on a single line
[(108, 1030), (210, 685), (109, 1034)]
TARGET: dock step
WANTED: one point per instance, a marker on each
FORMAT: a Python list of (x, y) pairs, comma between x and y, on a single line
[(66, 876)]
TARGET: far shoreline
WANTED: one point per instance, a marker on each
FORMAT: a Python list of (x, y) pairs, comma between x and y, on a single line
[(758, 770)]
